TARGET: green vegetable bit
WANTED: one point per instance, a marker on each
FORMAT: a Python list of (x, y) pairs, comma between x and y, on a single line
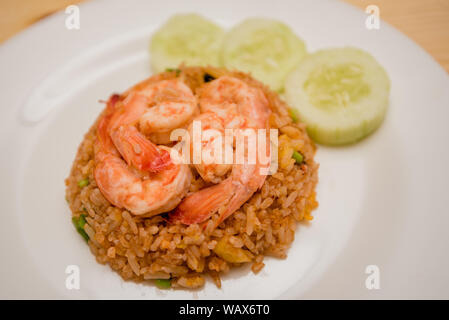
[(298, 157), (293, 114), (178, 71), (163, 283), (79, 225), (83, 183)]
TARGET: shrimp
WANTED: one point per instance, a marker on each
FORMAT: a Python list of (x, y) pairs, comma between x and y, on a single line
[(135, 148), (170, 102), (145, 194), (238, 106), (131, 171), (235, 106), (171, 105), (230, 97), (212, 171)]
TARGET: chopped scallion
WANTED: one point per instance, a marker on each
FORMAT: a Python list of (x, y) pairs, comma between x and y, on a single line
[(79, 225), (163, 283)]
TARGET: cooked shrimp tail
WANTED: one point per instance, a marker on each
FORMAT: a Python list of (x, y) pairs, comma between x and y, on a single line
[(140, 152), (240, 193), (200, 205)]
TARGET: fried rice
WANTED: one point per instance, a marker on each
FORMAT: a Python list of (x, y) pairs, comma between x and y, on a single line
[(141, 249)]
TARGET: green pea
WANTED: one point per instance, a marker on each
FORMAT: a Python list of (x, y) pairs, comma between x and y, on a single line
[(83, 183), (298, 157)]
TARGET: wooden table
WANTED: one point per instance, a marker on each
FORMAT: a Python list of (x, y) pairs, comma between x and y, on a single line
[(425, 21)]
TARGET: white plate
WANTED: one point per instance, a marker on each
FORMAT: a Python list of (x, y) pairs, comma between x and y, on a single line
[(382, 201)]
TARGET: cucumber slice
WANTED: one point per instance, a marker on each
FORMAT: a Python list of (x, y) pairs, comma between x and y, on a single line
[(186, 38), (268, 49), (341, 94)]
